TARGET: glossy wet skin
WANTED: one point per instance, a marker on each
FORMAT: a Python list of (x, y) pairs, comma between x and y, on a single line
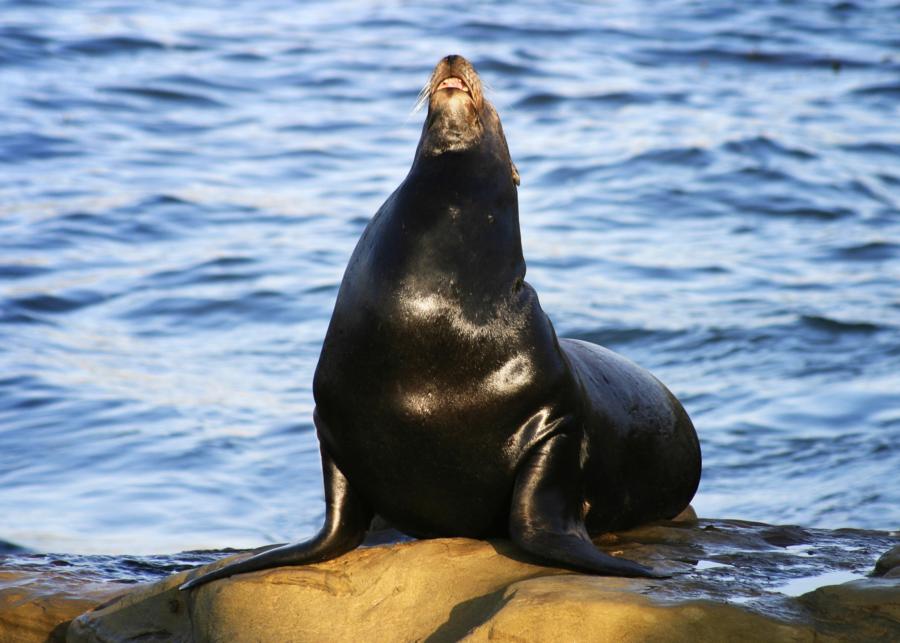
[(441, 342), (456, 371), (445, 402)]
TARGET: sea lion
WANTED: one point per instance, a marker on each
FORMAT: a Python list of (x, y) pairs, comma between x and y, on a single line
[(445, 402)]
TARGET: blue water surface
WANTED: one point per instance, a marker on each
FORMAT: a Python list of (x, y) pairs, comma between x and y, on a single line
[(710, 188)]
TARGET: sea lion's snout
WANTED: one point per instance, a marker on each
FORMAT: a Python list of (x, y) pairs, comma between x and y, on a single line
[(459, 118), (455, 107), (454, 78)]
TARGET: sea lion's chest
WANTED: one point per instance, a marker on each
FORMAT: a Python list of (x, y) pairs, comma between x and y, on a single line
[(418, 358), (425, 406), (436, 357)]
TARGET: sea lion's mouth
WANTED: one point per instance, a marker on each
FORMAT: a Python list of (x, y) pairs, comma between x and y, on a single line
[(456, 107), (451, 75), (453, 82)]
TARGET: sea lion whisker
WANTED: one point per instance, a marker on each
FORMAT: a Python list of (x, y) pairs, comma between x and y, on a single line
[(422, 98)]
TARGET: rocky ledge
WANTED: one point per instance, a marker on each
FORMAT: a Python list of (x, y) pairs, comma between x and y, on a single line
[(731, 580)]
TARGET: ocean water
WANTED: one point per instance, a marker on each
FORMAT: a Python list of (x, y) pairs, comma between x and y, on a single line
[(710, 188)]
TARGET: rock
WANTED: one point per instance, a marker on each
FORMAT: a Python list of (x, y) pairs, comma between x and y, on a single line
[(410, 588), (732, 581), (872, 604), (572, 608), (38, 606), (41, 593), (889, 562), (687, 516)]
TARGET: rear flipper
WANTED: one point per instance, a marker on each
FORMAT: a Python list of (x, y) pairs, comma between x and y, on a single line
[(546, 514), (347, 519)]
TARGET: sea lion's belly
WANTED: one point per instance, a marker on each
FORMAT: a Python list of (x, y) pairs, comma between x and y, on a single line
[(424, 415)]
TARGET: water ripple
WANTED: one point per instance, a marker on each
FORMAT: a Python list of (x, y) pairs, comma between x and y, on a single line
[(709, 188)]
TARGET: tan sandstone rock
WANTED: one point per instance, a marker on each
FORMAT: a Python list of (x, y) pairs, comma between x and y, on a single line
[(38, 606), (732, 581), (575, 608)]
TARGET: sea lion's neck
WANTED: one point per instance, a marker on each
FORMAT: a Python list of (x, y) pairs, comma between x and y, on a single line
[(459, 214), (477, 176)]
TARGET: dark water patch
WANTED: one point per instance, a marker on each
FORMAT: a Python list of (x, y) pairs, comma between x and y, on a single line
[(150, 219), (262, 306), (318, 126), (623, 336), (844, 7), (29, 381), (752, 39), (323, 288), (386, 23), (72, 229), (489, 64), (886, 148), (244, 57), (30, 403), (886, 91), (762, 147), (682, 156), (479, 29), (835, 326), (21, 270), (806, 212), (872, 251), (228, 262), (115, 569), (679, 274), (568, 262), (27, 146), (7, 549), (23, 35), (864, 189), (193, 80), (128, 231), (64, 103), (20, 45), (9, 315), (776, 191), (47, 303), (538, 100), (169, 127), (213, 39), (37, 399), (113, 45), (33, 3), (568, 173), (543, 99), (311, 154), (221, 269), (166, 96), (296, 79), (175, 208), (749, 57)]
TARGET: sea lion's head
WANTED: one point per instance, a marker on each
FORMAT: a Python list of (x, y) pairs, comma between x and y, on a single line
[(460, 119)]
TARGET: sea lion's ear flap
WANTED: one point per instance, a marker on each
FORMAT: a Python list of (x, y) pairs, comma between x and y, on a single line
[(515, 172)]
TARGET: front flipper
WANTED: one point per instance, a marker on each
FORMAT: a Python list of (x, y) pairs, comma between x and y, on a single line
[(347, 519), (546, 514)]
